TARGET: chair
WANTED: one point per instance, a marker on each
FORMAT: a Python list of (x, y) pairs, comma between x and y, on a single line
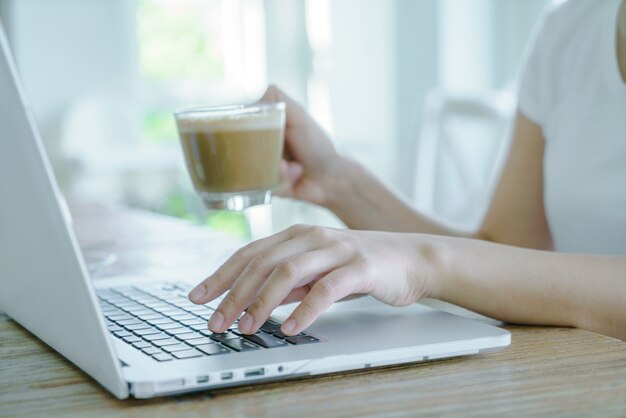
[(461, 148)]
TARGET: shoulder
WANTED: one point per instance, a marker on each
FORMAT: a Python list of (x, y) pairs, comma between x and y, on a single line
[(562, 20), (564, 38)]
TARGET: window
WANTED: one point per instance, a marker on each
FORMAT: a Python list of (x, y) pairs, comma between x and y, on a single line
[(195, 53)]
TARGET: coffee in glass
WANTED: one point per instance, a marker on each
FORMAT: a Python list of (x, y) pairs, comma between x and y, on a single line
[(233, 153)]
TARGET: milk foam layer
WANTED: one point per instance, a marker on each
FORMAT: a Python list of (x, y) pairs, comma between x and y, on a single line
[(205, 122)]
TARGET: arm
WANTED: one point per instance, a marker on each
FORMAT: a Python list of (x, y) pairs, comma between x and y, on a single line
[(318, 266), (315, 172), (516, 214), (543, 288)]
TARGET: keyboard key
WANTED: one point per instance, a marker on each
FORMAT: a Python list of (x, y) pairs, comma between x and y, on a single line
[(136, 327), (163, 343), (206, 332), (179, 330), (239, 344), (132, 339), (151, 350), (199, 341), (171, 310), (200, 309), (187, 354), (154, 337), (175, 311), (162, 357), (161, 321), (167, 325), (121, 317), (175, 347), (265, 340), (212, 349), (222, 337), (140, 311), (279, 334), (115, 328), (182, 317), (127, 305), (188, 336), (201, 326), (152, 317), (302, 339), (194, 321), (133, 321), (112, 311), (147, 331), (270, 327), (204, 316), (142, 344), (122, 334)]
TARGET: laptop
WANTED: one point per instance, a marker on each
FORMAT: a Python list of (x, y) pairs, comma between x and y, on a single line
[(141, 337)]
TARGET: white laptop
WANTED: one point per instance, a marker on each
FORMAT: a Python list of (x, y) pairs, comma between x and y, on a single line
[(142, 337)]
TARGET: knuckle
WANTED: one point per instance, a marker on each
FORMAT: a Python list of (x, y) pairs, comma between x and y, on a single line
[(243, 253), (287, 270), (231, 303), (342, 246), (260, 306), (305, 310), (296, 229), (319, 233), (256, 265), (217, 278), (365, 264), (325, 289)]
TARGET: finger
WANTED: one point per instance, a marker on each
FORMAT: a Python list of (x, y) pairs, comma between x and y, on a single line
[(284, 181), (247, 285), (296, 295), (290, 174), (331, 288), (296, 115), (223, 278), (292, 273)]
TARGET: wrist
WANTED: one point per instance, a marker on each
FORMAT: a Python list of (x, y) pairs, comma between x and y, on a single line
[(342, 176), (435, 265)]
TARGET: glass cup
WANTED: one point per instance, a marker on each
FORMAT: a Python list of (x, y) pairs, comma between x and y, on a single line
[(233, 153)]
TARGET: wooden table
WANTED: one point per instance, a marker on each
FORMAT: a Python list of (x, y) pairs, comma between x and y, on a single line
[(545, 372)]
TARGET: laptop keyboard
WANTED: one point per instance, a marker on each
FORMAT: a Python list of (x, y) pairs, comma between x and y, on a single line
[(162, 323)]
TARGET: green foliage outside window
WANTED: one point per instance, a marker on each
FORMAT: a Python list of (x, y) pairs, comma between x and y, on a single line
[(180, 43), (180, 40)]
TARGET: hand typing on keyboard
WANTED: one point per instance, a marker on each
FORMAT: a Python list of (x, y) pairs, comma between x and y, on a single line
[(316, 266)]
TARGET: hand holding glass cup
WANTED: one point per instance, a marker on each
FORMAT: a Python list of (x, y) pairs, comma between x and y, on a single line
[(233, 153)]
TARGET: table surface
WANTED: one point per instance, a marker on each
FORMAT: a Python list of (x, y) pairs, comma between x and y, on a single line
[(545, 372)]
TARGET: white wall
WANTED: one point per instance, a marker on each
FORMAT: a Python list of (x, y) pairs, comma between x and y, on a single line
[(362, 81), (66, 49)]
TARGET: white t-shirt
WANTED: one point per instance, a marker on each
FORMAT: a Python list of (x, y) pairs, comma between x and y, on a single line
[(571, 86)]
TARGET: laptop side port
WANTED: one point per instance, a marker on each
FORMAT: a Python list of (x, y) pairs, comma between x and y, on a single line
[(254, 372), (202, 379), (226, 375)]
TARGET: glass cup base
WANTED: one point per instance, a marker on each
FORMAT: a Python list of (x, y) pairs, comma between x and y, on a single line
[(236, 200)]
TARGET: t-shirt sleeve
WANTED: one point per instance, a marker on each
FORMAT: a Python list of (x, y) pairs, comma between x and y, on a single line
[(533, 83)]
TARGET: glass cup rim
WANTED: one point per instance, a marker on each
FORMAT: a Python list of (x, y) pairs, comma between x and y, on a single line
[(234, 110)]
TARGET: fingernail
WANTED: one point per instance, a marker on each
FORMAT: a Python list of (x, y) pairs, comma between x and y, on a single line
[(197, 293), (289, 326), (217, 321), (246, 323)]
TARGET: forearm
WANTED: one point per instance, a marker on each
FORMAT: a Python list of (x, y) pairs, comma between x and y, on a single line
[(361, 201), (534, 287)]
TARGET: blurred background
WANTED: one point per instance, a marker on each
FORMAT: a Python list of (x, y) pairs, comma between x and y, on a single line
[(420, 91)]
